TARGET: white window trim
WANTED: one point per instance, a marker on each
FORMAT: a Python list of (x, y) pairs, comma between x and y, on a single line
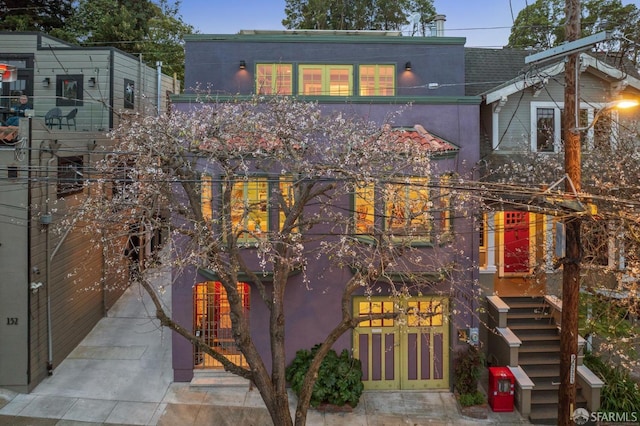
[(591, 109), (557, 137)]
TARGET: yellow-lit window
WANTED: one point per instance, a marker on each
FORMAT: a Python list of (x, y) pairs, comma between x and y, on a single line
[(206, 197), (367, 308), (424, 313), (445, 203), (364, 208), (326, 80), (286, 189), (249, 212), (408, 209), (377, 80), (482, 231), (274, 79)]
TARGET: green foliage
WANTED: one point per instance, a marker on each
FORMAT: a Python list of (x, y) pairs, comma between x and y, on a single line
[(339, 379), (34, 15), (469, 399), (466, 370), (152, 29), (541, 23), (620, 393), (357, 14), (600, 317)]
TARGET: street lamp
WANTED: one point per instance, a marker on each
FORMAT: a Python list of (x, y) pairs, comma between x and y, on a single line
[(620, 103)]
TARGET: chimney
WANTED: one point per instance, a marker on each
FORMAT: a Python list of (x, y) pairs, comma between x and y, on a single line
[(439, 21)]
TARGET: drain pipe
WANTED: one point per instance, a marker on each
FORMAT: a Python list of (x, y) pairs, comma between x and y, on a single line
[(159, 89), (45, 220)]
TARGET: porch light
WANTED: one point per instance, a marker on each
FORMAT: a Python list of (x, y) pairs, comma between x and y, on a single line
[(92, 82), (243, 65), (407, 66), (45, 82)]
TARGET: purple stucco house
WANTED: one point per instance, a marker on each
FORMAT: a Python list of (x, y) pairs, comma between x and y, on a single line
[(370, 73)]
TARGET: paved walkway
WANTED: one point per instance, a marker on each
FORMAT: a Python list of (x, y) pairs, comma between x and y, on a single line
[(120, 374)]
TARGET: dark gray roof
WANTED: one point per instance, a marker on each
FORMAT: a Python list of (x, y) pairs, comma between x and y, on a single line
[(486, 69)]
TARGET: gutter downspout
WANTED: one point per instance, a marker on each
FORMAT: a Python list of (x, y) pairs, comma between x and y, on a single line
[(159, 88), (48, 260), (29, 263)]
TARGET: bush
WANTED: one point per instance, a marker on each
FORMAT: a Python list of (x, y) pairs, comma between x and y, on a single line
[(469, 399), (339, 379), (466, 370), (620, 393)]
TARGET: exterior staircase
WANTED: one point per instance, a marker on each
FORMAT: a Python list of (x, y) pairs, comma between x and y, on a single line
[(532, 321)]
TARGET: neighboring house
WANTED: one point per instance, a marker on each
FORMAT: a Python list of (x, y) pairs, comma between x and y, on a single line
[(101, 83), (520, 119), (55, 285), (521, 113), (371, 74)]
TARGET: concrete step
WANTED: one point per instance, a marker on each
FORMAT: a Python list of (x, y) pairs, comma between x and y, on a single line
[(523, 300), (550, 373), (544, 414), (540, 347), (534, 339), (217, 378), (537, 358)]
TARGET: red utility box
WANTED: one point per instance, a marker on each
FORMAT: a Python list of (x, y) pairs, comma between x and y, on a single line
[(501, 389)]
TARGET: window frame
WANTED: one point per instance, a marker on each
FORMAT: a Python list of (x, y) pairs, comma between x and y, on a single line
[(407, 214), (370, 204), (270, 209), (376, 80), (62, 81), (587, 111), (66, 171), (275, 79), (250, 205), (325, 78)]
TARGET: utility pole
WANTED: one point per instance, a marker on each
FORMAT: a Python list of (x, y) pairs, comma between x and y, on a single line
[(573, 252)]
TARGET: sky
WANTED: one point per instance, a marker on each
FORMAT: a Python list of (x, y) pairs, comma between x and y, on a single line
[(484, 23)]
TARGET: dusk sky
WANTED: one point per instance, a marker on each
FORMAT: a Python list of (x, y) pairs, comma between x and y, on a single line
[(485, 23)]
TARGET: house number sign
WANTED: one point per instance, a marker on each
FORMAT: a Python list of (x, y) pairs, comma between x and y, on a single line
[(12, 320)]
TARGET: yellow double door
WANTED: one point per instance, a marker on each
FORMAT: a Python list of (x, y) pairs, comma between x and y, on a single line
[(410, 351)]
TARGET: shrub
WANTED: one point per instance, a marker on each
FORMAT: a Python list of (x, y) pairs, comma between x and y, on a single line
[(339, 379), (469, 399), (466, 370), (620, 393)]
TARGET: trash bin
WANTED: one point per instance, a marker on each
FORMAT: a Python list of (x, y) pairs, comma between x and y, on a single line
[(501, 389)]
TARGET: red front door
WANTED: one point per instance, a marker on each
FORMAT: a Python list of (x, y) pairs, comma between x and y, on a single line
[(516, 242)]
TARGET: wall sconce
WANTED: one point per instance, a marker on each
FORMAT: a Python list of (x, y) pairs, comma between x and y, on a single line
[(243, 65), (407, 66), (45, 82), (92, 82)]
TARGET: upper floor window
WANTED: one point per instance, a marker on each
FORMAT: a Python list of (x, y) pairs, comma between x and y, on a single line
[(325, 80), (547, 124), (409, 208), (274, 79), (376, 80), (70, 175), (252, 199), (546, 130), (69, 90), (206, 197), (249, 212)]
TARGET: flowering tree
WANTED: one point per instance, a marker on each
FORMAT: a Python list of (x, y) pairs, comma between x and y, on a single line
[(160, 175)]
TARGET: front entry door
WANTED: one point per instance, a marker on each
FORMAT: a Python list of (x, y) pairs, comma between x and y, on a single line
[(409, 352), (516, 242), (212, 322)]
